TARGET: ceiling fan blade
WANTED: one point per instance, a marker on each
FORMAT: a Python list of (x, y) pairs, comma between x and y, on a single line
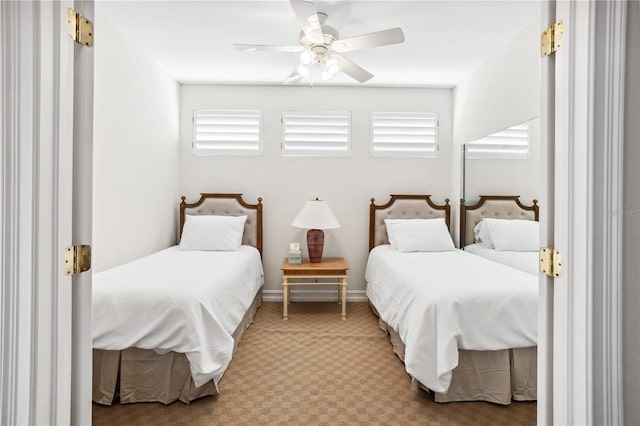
[(293, 78), (308, 18), (352, 70), (266, 47), (364, 41)]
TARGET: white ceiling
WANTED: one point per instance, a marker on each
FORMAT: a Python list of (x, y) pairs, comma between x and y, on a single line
[(193, 40)]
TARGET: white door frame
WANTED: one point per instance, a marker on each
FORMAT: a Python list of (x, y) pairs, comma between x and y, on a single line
[(609, 73), (36, 213), (37, 127), (588, 147)]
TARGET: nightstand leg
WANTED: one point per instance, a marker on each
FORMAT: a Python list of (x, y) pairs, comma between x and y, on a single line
[(344, 298), (285, 299)]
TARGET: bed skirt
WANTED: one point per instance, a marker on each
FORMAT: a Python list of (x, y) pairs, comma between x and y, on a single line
[(492, 376), (142, 375)]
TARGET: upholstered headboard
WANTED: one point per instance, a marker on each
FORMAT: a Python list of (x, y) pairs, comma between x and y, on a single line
[(494, 206), (228, 205), (403, 207)]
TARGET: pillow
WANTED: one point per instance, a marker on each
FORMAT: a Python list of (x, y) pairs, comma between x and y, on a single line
[(409, 235), (210, 232), (390, 236), (481, 232), (514, 234)]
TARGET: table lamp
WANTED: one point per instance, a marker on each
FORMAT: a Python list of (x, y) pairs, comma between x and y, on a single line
[(315, 216)]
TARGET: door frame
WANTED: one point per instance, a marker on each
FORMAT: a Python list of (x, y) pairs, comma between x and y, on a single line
[(36, 128), (588, 90), (39, 193)]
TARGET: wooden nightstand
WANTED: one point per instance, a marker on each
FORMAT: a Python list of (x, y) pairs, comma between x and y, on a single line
[(332, 271)]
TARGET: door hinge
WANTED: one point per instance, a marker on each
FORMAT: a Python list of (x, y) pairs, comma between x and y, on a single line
[(550, 262), (79, 28), (77, 259), (551, 38)]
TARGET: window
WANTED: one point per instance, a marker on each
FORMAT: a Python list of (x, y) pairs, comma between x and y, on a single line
[(316, 133), (511, 143), (404, 134), (227, 132)]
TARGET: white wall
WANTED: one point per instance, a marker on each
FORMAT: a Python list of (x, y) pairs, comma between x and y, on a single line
[(285, 183), (631, 266), (503, 91), (135, 192)]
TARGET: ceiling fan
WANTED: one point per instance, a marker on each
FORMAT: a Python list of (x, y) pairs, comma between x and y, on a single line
[(320, 44)]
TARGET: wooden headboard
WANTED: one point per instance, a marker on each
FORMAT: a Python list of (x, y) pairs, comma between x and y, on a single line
[(494, 206), (403, 207), (228, 205)]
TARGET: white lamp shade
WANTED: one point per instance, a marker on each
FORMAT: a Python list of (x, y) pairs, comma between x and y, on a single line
[(316, 214)]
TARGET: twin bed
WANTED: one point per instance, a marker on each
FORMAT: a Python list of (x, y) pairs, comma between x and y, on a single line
[(165, 326), (465, 326)]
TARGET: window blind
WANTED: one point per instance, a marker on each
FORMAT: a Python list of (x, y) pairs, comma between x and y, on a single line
[(316, 133), (404, 134), (227, 132), (511, 143)]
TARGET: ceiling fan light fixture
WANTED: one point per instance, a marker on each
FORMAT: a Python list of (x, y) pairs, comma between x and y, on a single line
[(325, 74), (332, 66), (307, 57)]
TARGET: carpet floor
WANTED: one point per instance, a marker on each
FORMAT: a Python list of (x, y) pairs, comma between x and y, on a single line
[(316, 369)]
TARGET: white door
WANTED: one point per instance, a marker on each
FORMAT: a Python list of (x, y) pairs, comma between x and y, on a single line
[(81, 389), (40, 207), (580, 324), (547, 173)]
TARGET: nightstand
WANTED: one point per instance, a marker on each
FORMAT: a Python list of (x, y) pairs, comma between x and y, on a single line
[(331, 271)]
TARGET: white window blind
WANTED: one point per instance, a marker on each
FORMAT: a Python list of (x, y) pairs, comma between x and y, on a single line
[(404, 134), (227, 132), (511, 143), (316, 133)]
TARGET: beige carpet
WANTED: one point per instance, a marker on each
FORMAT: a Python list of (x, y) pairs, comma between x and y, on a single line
[(316, 369)]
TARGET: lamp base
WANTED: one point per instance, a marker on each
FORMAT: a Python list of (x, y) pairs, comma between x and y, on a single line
[(315, 244)]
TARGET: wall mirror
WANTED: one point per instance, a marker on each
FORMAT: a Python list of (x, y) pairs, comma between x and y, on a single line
[(504, 163)]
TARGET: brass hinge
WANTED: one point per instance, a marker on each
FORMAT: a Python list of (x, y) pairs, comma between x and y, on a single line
[(550, 262), (551, 38), (77, 259), (79, 28)]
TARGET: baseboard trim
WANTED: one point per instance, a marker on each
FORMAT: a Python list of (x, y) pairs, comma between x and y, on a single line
[(314, 295)]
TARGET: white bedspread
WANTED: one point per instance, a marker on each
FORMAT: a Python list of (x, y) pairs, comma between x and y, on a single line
[(441, 301), (526, 261), (174, 300)]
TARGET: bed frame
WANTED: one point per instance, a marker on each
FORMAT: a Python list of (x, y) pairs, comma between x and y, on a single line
[(493, 376), (228, 205), (493, 206), (142, 375), (403, 207)]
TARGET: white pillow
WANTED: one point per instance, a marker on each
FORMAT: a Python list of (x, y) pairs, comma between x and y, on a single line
[(514, 234), (483, 237), (409, 235), (210, 232), (390, 236)]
